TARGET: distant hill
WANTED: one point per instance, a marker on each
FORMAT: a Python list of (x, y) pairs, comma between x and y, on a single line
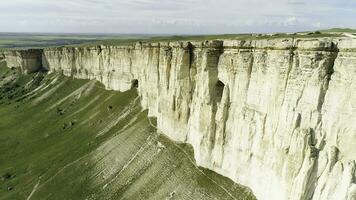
[(342, 30)]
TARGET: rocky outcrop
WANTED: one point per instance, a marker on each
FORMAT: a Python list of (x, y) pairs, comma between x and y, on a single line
[(275, 115), (28, 61)]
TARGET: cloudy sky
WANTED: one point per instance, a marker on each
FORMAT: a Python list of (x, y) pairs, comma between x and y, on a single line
[(174, 16)]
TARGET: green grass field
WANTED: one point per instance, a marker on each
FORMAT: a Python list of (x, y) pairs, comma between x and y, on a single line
[(22, 40), (37, 40), (62, 138), (208, 37)]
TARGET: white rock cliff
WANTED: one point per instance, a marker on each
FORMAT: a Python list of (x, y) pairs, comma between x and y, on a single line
[(275, 115), (27, 60)]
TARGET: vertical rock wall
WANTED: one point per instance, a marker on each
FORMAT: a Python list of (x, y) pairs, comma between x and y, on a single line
[(28, 61), (275, 115)]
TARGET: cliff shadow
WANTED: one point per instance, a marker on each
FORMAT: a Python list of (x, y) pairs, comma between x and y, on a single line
[(134, 84)]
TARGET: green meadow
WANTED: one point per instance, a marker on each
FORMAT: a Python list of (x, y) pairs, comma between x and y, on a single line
[(42, 40)]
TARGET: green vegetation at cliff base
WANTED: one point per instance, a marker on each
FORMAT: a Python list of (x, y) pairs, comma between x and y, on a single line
[(62, 138)]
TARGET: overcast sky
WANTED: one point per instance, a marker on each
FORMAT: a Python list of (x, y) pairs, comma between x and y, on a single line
[(174, 16)]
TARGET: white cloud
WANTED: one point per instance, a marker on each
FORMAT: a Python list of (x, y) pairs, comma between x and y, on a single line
[(290, 21)]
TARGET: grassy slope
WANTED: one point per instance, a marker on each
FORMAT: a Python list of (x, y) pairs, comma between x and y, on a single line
[(62, 138)]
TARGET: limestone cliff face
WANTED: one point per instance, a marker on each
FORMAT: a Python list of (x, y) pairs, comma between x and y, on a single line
[(275, 115), (27, 60)]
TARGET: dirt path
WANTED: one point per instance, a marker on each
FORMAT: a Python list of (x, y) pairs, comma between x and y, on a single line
[(33, 190)]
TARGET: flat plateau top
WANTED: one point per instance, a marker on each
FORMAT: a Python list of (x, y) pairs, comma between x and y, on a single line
[(325, 41)]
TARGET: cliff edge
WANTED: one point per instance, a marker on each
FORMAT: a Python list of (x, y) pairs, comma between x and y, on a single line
[(275, 115)]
